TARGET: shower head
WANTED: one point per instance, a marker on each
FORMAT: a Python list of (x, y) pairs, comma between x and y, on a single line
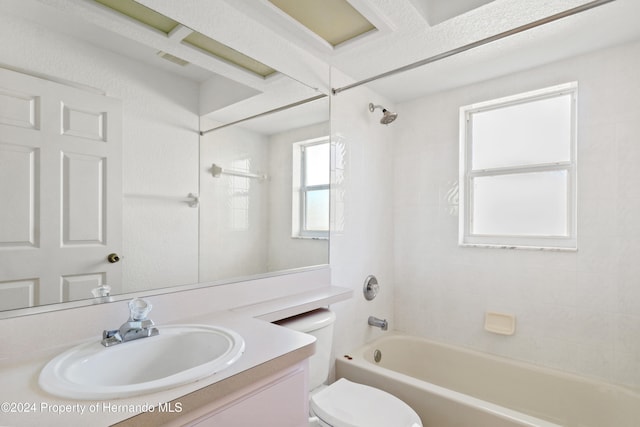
[(387, 116)]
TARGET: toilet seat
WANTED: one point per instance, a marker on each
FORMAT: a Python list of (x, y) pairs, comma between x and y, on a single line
[(348, 404)]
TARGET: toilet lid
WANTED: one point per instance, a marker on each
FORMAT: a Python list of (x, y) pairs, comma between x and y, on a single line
[(347, 404)]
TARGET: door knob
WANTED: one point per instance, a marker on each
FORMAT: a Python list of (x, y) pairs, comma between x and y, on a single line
[(113, 258)]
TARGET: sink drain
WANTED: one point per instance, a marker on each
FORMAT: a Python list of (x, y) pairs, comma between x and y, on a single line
[(377, 356)]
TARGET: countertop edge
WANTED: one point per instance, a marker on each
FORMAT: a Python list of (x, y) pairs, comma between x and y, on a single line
[(292, 305)]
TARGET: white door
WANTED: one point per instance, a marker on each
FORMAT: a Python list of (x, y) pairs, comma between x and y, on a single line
[(60, 191)]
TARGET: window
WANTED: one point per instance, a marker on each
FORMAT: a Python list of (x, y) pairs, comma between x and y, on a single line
[(311, 177), (518, 170)]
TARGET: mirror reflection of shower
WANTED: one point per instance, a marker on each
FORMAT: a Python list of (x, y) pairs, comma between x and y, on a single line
[(387, 116)]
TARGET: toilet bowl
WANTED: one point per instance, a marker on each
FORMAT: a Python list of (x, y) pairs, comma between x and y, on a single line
[(345, 403)]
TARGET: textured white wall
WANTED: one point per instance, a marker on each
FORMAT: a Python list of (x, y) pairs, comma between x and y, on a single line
[(575, 311), (160, 146), (232, 247), (362, 213)]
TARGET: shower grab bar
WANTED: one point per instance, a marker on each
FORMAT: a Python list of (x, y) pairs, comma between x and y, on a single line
[(216, 171)]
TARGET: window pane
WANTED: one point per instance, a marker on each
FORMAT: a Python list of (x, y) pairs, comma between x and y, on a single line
[(317, 164), (527, 204), (317, 210), (523, 134)]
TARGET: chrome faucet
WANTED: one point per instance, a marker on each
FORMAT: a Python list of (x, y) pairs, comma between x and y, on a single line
[(138, 326), (378, 323)]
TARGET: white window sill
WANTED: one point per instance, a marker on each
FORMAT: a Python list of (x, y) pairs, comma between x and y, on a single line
[(309, 238), (529, 248)]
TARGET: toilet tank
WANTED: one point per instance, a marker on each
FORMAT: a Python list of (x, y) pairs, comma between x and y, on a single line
[(318, 323)]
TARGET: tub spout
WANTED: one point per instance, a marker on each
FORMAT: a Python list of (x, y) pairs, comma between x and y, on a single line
[(378, 323)]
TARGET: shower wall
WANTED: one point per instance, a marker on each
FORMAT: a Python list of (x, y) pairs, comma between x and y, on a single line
[(576, 311), (362, 212), (252, 216), (234, 222)]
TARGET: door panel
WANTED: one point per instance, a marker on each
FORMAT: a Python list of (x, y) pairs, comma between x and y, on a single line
[(83, 199), (18, 191), (19, 109), (62, 148), (78, 286), (18, 294), (83, 124)]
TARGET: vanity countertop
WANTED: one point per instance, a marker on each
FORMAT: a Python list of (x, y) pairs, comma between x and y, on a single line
[(268, 348), (24, 404)]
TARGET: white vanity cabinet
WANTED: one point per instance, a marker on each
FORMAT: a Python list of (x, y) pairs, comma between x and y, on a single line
[(278, 400)]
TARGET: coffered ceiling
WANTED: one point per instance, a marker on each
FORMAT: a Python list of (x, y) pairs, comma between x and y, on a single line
[(295, 41), (405, 31)]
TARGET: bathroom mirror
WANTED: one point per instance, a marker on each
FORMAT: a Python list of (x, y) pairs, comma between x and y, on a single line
[(185, 216), (265, 193)]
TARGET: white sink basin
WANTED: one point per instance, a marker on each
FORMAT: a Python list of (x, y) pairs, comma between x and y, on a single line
[(180, 354)]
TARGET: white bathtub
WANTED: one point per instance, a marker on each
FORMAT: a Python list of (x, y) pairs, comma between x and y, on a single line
[(453, 387)]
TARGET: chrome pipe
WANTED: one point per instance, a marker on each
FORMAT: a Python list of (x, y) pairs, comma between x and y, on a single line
[(452, 52), (275, 110)]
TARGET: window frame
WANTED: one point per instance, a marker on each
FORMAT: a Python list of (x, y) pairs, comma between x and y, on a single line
[(567, 242), (301, 189)]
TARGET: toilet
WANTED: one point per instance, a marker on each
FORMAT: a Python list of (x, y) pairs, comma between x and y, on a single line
[(344, 403)]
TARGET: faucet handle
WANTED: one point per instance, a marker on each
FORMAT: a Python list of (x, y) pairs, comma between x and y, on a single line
[(101, 291), (139, 309)]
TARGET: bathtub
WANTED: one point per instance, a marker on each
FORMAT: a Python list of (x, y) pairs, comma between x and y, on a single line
[(453, 387)]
